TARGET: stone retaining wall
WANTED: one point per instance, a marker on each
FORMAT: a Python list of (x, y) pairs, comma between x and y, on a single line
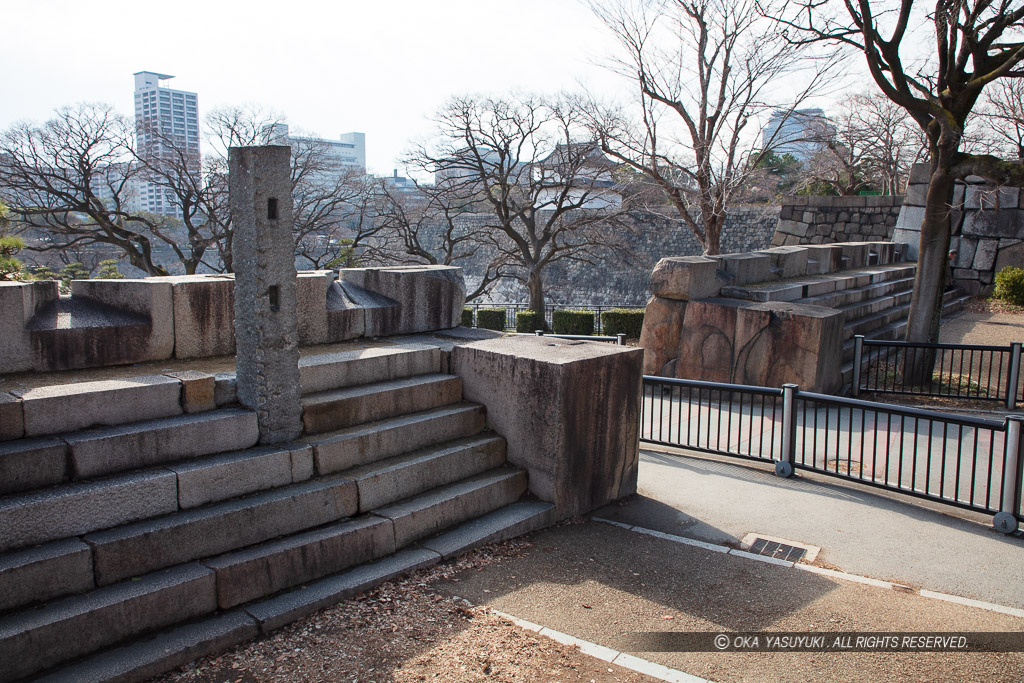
[(822, 220), (987, 227)]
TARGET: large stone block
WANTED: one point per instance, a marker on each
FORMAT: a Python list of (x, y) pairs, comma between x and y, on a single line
[(994, 223), (104, 451), (197, 390), (150, 298), (787, 262), (429, 297), (12, 417), (1011, 255), (767, 344), (74, 509), (685, 277), (311, 296), (985, 255), (45, 572), (659, 337), (347, 310), (69, 407), (328, 371), (19, 302), (138, 548), (743, 269), (204, 308), (568, 410), (28, 464), (266, 569), (827, 258), (232, 474)]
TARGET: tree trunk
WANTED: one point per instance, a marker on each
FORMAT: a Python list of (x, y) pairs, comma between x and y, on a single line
[(930, 280), (535, 287)]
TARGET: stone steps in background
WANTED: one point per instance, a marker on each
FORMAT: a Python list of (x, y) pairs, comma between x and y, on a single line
[(816, 290)]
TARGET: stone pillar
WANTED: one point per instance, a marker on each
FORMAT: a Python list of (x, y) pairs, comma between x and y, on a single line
[(266, 325)]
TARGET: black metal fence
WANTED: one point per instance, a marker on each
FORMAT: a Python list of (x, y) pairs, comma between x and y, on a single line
[(512, 309), (959, 370), (967, 462)]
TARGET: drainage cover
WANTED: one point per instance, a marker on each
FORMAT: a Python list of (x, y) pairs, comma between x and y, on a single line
[(780, 548)]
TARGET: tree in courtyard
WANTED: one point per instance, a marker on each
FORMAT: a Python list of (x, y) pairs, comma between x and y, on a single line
[(1002, 116), (546, 190), (703, 72), (977, 43)]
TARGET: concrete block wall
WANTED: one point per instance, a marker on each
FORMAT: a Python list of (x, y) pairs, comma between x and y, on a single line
[(115, 322), (822, 220), (987, 227)]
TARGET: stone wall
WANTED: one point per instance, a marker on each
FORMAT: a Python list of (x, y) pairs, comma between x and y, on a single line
[(116, 322), (823, 220), (621, 276), (987, 226)]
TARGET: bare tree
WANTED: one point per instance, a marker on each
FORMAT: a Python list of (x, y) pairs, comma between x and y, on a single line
[(703, 71), (548, 193), (433, 225), (1003, 116), (72, 177), (977, 43), (870, 144)]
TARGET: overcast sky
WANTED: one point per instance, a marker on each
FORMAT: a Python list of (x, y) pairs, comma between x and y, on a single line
[(381, 68)]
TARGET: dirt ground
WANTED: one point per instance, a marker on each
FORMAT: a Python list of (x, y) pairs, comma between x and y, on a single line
[(406, 631)]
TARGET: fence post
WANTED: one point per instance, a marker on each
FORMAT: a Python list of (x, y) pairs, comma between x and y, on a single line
[(1006, 520), (784, 466), (1014, 379), (858, 359), (620, 339), (539, 333)]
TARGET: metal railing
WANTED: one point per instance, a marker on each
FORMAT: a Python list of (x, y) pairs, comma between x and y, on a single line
[(968, 462), (971, 371), (619, 339), (512, 309)]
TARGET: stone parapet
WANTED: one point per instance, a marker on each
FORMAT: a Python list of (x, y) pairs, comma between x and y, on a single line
[(116, 322), (569, 411)]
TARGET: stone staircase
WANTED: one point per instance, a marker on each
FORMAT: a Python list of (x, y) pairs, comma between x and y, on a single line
[(875, 300), (131, 546)]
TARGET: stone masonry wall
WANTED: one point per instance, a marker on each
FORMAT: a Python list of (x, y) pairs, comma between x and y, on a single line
[(988, 228), (823, 220)]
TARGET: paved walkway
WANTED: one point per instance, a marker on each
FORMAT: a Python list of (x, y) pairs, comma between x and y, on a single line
[(606, 584)]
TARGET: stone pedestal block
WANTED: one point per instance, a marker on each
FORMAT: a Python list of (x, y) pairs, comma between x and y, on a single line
[(428, 298), (569, 411), (266, 324), (787, 261), (204, 311), (148, 298), (747, 268), (312, 306), (685, 277)]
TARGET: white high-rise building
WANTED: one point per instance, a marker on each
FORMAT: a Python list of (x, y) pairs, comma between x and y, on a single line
[(166, 120), (344, 154), (800, 132)]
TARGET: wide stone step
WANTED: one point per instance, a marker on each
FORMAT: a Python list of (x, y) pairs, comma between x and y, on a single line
[(445, 506), (333, 410), (108, 450), (143, 547), (844, 298), (75, 509), (402, 476), (341, 450), (325, 372), (807, 289), (151, 655), (876, 305), (41, 638)]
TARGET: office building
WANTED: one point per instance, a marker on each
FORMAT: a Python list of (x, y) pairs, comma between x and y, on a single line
[(167, 123), (800, 132)]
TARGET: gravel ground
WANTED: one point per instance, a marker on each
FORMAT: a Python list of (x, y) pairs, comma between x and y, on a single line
[(406, 631)]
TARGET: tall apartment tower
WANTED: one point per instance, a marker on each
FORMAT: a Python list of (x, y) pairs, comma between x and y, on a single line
[(167, 122)]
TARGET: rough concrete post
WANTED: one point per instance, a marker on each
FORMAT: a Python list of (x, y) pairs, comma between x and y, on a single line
[(266, 325)]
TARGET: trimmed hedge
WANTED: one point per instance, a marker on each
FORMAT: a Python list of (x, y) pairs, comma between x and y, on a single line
[(1010, 285), (467, 317), (491, 319), (572, 322), (627, 321), (529, 321)]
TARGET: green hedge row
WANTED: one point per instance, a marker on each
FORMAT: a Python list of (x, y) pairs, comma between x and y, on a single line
[(572, 322), (467, 317), (627, 321), (529, 321), (491, 319)]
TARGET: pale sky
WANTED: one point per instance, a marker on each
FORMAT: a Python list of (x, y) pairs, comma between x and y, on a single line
[(382, 68)]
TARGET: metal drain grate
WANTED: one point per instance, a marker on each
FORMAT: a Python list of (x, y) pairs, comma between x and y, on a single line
[(779, 551), (780, 548)]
